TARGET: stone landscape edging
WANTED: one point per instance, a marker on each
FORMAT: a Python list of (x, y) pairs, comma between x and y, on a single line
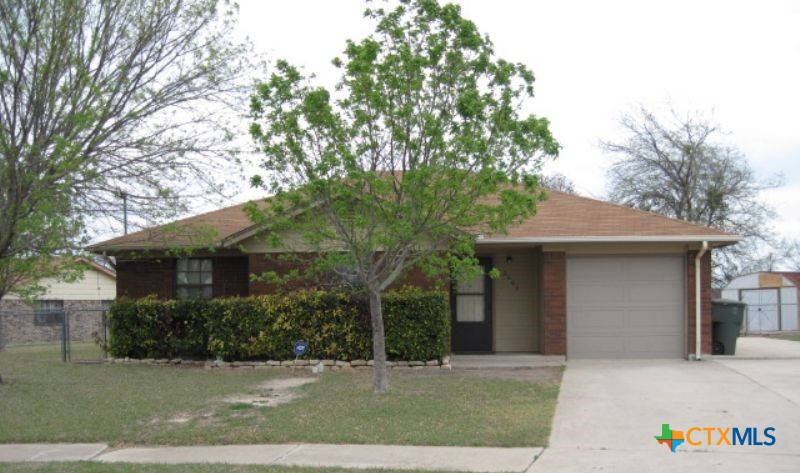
[(333, 365)]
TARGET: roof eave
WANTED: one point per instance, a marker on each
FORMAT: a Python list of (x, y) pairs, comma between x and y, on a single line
[(727, 239)]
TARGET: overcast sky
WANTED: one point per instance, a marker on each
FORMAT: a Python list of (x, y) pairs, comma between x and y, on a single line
[(739, 61)]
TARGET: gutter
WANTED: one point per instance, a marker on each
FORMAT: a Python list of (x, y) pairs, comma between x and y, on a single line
[(698, 313), (483, 240)]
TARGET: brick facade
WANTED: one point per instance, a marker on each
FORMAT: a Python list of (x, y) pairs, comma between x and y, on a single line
[(156, 277), (18, 323), (705, 302), (554, 303), (146, 277), (231, 276)]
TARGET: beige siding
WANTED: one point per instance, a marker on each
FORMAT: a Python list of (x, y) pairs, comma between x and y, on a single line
[(94, 285), (515, 302)]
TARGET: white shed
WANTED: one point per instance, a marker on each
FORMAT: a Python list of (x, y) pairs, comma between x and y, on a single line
[(772, 300)]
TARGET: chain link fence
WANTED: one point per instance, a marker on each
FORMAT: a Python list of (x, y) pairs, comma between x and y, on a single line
[(73, 333)]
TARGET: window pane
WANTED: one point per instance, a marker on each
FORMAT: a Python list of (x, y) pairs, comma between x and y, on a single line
[(205, 265), (207, 292), (194, 278), (473, 285), (206, 278), (181, 265), (194, 265), (182, 278), (470, 308)]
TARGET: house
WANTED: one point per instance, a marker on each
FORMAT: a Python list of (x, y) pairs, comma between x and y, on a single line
[(582, 278), (772, 300), (42, 321)]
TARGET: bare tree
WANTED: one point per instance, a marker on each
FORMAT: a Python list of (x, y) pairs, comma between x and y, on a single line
[(104, 99), (680, 168), (559, 182)]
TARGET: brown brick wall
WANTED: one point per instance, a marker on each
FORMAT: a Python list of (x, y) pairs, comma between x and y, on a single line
[(554, 303), (231, 276), (416, 277), (145, 277), (705, 301), (261, 263)]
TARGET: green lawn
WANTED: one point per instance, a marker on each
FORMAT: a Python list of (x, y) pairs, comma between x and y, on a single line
[(86, 467), (45, 400), (793, 337)]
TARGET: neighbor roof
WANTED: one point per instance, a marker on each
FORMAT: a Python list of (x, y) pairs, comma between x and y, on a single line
[(562, 217), (791, 276)]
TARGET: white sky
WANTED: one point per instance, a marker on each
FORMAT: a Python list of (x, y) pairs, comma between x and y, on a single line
[(595, 60)]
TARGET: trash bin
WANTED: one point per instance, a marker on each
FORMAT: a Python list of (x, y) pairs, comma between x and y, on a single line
[(726, 316)]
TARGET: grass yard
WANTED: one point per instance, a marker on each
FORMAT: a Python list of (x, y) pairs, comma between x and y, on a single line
[(45, 400), (87, 467), (793, 337)]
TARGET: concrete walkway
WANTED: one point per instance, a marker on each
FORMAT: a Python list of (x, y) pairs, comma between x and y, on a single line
[(764, 348), (474, 459), (49, 452)]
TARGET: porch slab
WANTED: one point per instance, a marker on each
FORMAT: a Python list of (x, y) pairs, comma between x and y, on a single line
[(505, 361)]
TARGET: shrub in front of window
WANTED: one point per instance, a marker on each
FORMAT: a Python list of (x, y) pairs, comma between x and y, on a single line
[(336, 325)]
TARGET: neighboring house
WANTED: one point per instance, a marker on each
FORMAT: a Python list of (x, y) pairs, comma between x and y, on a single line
[(772, 300), (42, 321), (582, 278)]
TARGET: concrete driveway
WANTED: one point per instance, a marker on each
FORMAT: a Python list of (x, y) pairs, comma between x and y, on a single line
[(609, 411)]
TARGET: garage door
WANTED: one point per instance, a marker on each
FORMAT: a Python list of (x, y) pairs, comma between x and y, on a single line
[(625, 307)]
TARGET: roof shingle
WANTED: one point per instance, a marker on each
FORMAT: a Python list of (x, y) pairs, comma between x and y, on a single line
[(562, 215)]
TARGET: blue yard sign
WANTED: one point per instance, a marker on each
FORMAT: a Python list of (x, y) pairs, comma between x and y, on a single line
[(300, 347)]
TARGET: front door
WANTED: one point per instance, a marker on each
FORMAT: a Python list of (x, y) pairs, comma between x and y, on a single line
[(471, 303)]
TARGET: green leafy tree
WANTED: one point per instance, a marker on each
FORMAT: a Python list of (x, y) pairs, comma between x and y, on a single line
[(103, 98), (421, 147)]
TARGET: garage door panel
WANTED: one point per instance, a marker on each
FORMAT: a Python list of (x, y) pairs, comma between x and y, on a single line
[(597, 321), (644, 319), (655, 293), (597, 347), (611, 268), (625, 307), (589, 294), (652, 268), (651, 345)]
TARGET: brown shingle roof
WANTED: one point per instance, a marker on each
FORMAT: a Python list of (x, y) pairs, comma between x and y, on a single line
[(205, 230), (569, 215), (561, 216)]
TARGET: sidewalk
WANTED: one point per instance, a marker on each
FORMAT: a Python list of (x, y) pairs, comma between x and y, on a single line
[(474, 459)]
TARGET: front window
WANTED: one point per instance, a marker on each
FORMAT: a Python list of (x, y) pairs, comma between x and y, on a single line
[(48, 313), (194, 279)]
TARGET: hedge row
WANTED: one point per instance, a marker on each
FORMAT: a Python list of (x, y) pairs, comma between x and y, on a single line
[(335, 324)]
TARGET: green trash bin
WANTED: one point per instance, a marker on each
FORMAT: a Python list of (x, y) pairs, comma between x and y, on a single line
[(726, 316)]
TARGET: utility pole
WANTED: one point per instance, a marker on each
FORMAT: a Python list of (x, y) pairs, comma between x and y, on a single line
[(124, 213)]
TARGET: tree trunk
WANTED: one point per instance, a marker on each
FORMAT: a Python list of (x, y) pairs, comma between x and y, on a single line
[(380, 383)]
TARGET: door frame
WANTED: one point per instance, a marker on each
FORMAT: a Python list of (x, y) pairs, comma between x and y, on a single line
[(488, 293)]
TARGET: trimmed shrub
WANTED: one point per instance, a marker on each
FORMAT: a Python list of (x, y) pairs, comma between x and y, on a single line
[(336, 325), (152, 328)]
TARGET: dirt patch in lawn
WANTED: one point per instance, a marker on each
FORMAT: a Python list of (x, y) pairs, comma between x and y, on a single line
[(271, 393)]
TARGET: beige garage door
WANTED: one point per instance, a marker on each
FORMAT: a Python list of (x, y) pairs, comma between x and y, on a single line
[(625, 307)]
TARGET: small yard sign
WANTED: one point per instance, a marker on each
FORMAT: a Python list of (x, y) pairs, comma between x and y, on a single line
[(300, 347)]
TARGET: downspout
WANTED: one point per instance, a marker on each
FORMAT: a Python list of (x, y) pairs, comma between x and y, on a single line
[(698, 312)]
